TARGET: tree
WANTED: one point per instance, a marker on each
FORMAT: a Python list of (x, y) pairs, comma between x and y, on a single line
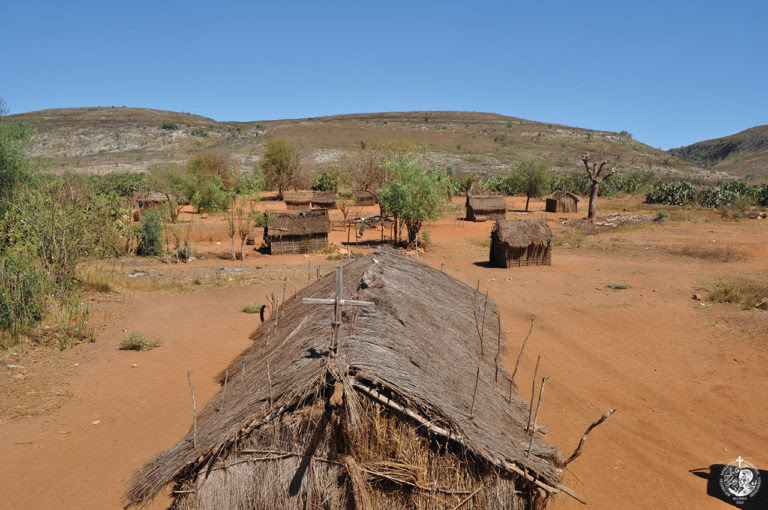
[(210, 163), (14, 137), (413, 195), (331, 180), (280, 164), (531, 178), (246, 222), (367, 165), (175, 183), (595, 181)]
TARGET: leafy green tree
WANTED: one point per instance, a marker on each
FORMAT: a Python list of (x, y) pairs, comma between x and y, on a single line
[(532, 178), (176, 183), (209, 163), (150, 235), (14, 138), (280, 164), (332, 179), (413, 195)]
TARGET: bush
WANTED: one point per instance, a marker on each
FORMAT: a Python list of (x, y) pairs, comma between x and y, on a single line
[(122, 184), (250, 184), (23, 291), (169, 126), (139, 342), (672, 193), (150, 235), (331, 180), (211, 195)]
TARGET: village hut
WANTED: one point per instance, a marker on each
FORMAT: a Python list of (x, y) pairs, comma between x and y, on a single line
[(407, 412), (521, 243), (486, 207), (297, 200), (150, 199), (364, 198), (562, 201), (305, 232), (323, 200)]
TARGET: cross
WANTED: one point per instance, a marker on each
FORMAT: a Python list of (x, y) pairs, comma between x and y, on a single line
[(337, 303)]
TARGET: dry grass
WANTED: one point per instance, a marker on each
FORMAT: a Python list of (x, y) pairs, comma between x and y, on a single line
[(568, 238), (139, 342), (716, 253), (747, 292)]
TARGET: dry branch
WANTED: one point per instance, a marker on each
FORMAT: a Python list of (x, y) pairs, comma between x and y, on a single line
[(536, 416), (517, 363), (577, 451), (194, 411)]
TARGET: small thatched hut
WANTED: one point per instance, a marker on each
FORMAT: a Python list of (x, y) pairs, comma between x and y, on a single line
[(364, 198), (305, 232), (323, 200), (562, 201), (486, 207), (521, 243), (297, 200), (150, 199), (407, 414)]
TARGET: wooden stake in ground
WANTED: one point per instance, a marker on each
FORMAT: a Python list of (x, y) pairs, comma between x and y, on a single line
[(498, 349), (517, 363), (577, 451), (194, 411), (536, 417), (269, 381), (533, 392), (337, 303)]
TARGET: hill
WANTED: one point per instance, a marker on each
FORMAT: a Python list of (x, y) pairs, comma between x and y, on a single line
[(744, 154), (108, 139)]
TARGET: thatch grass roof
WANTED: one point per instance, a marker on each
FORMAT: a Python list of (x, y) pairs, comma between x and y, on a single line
[(418, 345), (324, 197), (299, 197), (303, 223), (557, 195), (522, 233), (483, 203)]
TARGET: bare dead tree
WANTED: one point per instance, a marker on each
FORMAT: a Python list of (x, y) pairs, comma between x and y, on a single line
[(245, 223), (232, 228), (595, 179), (577, 451)]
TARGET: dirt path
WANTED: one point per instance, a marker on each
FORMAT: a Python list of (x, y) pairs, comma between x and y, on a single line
[(689, 380)]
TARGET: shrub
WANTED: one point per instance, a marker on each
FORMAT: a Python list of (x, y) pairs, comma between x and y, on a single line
[(252, 308), (122, 184), (139, 342), (23, 291), (746, 292), (150, 235), (331, 180), (211, 195), (672, 193), (169, 126)]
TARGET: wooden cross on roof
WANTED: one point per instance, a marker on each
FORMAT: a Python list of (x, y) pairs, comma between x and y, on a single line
[(337, 303)]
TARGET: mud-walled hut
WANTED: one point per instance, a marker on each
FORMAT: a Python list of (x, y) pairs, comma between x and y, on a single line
[(521, 243), (297, 200), (405, 413), (486, 207), (364, 198), (562, 201), (304, 232), (323, 200)]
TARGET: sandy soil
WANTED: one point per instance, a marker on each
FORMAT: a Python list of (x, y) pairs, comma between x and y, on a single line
[(689, 379)]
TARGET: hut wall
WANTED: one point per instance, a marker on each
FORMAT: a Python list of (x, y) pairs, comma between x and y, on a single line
[(504, 255), (309, 243), (297, 205), (564, 204), (364, 199), (473, 215), (270, 469)]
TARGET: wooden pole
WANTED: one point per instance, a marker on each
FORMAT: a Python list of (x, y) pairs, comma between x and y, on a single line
[(285, 282), (533, 392), (474, 395), (498, 349), (517, 363), (269, 381), (536, 416), (464, 501), (194, 411)]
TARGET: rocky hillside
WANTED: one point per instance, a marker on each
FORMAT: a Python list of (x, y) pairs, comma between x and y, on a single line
[(108, 139), (744, 154)]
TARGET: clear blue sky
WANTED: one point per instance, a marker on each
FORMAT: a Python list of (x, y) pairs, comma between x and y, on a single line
[(671, 73)]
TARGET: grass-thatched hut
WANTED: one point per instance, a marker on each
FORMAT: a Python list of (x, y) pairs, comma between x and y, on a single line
[(486, 207), (297, 200), (521, 243), (305, 232), (407, 414), (562, 201), (364, 198), (149, 199), (323, 200)]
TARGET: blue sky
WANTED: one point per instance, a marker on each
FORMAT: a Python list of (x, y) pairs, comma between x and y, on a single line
[(671, 73)]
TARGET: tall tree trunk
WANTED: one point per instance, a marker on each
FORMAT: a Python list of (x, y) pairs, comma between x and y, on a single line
[(592, 199), (396, 240), (527, 200), (413, 227), (232, 244), (242, 248)]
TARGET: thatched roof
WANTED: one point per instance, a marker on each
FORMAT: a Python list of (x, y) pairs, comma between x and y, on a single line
[(150, 196), (522, 233), (557, 195), (482, 203), (303, 223), (323, 197), (302, 197), (418, 344)]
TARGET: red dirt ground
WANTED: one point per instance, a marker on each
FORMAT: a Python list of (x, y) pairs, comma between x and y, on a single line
[(689, 379)]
